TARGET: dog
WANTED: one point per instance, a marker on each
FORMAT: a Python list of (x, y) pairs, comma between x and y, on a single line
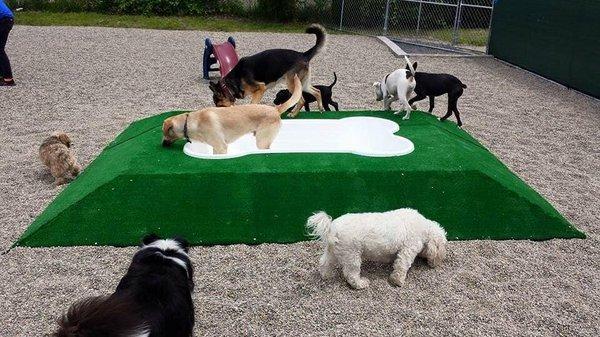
[(284, 95), (397, 236), (253, 75), (153, 299), (432, 85), (221, 126), (55, 153), (397, 85)]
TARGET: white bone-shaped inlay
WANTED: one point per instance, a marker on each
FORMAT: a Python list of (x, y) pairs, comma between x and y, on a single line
[(365, 136)]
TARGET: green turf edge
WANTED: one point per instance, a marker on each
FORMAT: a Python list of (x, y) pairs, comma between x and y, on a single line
[(146, 125)]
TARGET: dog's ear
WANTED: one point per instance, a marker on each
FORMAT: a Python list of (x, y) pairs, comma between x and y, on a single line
[(168, 127), (415, 66), (183, 243), (148, 239), (64, 138), (376, 84)]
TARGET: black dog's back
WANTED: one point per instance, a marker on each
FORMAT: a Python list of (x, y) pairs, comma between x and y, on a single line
[(432, 85), (436, 84), (270, 65)]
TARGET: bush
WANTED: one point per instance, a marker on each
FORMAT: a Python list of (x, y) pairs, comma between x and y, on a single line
[(145, 7), (315, 11), (276, 10)]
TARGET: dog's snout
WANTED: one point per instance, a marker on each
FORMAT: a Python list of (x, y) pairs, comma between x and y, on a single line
[(166, 143)]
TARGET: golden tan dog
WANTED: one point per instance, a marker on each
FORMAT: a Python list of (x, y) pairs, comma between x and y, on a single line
[(55, 153), (220, 126)]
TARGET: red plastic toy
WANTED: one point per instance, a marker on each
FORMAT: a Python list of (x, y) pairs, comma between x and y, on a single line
[(224, 54)]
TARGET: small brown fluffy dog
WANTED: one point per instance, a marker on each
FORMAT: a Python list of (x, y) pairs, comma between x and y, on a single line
[(55, 153), (220, 126)]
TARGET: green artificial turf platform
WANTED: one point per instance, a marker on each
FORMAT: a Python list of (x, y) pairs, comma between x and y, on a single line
[(136, 186)]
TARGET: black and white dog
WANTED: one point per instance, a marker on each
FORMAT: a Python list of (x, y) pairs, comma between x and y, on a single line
[(432, 85), (152, 300), (283, 95), (397, 85)]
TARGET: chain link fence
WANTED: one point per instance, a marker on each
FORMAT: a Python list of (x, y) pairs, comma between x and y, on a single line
[(464, 23)]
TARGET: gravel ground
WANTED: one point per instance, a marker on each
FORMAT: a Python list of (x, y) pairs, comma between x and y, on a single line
[(92, 82)]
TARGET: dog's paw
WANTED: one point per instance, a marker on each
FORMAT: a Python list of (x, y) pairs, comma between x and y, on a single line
[(361, 283), (326, 273), (397, 112), (398, 279), (406, 117), (414, 107)]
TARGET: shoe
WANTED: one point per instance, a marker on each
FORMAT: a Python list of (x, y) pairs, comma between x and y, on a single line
[(4, 83)]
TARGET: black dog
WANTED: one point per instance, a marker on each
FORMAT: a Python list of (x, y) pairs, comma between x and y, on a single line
[(152, 300), (284, 95), (433, 85)]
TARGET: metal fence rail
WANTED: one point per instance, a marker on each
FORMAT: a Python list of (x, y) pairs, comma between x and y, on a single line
[(464, 23)]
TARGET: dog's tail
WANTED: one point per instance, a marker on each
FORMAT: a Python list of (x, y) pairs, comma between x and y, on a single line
[(102, 316), (464, 86), (321, 34), (334, 80), (318, 225), (296, 95)]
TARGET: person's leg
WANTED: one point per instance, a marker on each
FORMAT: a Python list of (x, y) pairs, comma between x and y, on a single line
[(3, 38), (5, 69)]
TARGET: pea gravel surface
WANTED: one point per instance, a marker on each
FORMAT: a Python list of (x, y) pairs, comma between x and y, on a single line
[(92, 82)]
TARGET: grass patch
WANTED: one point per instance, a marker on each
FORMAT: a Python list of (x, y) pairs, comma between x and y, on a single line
[(467, 37), (223, 24)]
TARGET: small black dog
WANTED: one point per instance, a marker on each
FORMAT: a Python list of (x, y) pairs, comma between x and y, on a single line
[(433, 85), (153, 299), (284, 95)]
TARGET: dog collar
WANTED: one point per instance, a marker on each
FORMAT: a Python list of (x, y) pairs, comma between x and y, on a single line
[(227, 91), (185, 129)]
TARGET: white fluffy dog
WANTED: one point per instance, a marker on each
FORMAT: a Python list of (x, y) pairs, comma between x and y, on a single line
[(398, 236), (398, 85)]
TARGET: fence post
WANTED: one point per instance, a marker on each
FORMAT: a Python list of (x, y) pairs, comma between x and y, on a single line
[(419, 16), (456, 23), (342, 14), (489, 35), (387, 17)]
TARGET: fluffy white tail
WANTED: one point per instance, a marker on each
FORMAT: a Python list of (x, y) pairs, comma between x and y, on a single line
[(318, 225)]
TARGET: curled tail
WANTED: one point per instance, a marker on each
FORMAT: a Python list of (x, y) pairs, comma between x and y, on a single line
[(321, 34), (102, 316), (334, 80), (296, 95), (318, 225)]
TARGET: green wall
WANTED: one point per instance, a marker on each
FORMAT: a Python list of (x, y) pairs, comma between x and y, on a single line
[(558, 39)]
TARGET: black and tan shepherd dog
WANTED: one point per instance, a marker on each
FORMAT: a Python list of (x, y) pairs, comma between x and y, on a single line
[(153, 299), (253, 75)]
